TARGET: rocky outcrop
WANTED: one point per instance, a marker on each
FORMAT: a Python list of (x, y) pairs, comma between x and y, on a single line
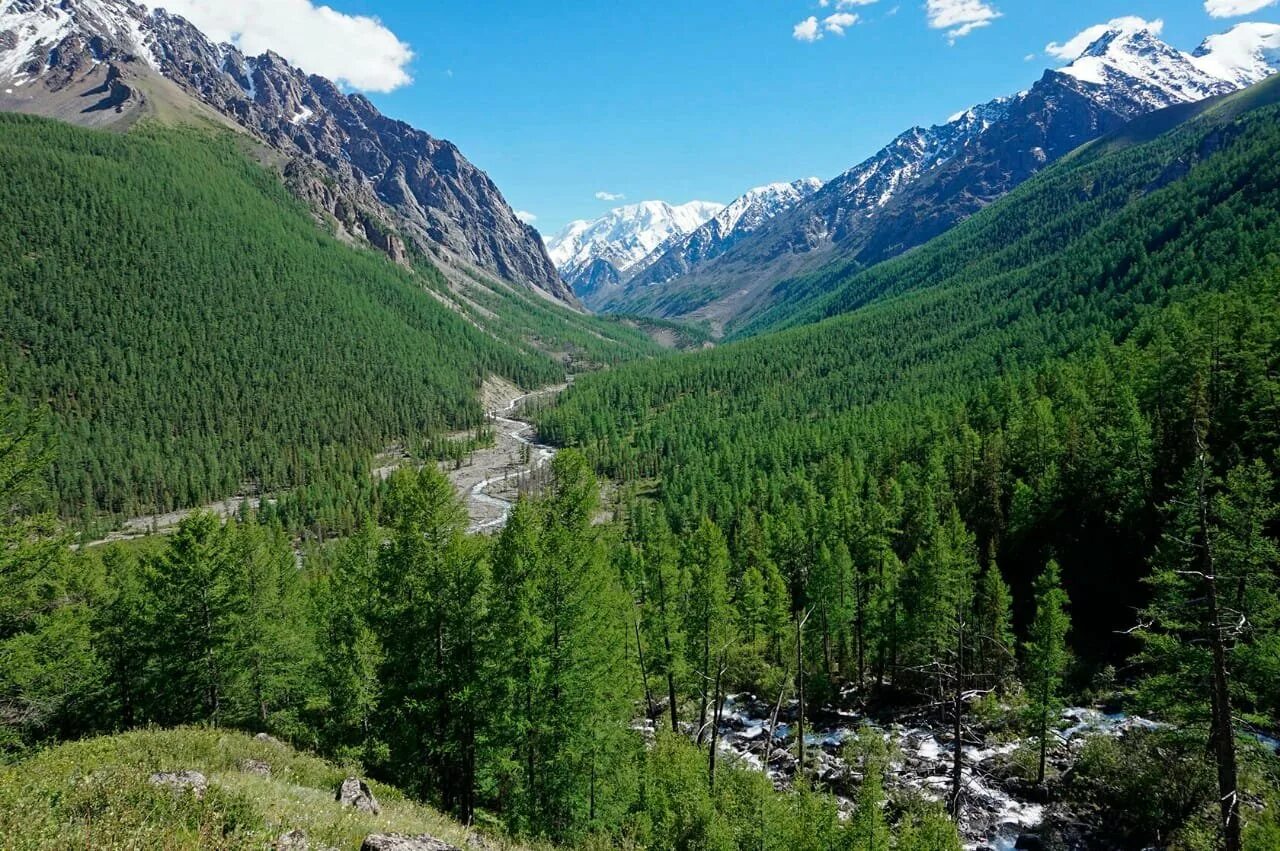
[(395, 842), (381, 180), (354, 792), (192, 782)]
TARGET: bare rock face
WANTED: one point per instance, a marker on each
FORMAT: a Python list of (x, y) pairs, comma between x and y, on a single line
[(354, 792), (384, 181), (395, 842), (192, 782)]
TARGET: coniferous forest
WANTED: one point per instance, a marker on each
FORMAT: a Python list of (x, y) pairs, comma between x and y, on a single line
[(1025, 470)]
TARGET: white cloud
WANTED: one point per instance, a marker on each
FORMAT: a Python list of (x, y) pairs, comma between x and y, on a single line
[(353, 50), (960, 17), (811, 29), (1070, 50), (1030, 57), (839, 22), (526, 217), (1235, 8), (845, 4), (610, 196), (807, 30)]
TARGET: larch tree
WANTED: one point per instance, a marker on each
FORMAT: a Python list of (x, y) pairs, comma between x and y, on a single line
[(1045, 658)]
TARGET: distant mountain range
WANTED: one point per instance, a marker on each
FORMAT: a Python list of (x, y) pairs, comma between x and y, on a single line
[(594, 257), (110, 62), (923, 183)]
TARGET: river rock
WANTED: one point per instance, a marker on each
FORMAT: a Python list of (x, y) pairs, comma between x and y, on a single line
[(1029, 842), (182, 781), (354, 792), (396, 842)]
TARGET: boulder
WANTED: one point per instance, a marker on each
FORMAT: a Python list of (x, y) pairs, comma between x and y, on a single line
[(182, 781), (354, 792), (294, 840), (1029, 842), (256, 766), (396, 842), (270, 740)]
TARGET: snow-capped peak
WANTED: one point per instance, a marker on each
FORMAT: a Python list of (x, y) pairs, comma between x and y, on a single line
[(760, 204), (32, 28), (626, 236), (1136, 59), (1246, 54)]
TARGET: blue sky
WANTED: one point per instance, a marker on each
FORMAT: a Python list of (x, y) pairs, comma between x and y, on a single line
[(703, 99)]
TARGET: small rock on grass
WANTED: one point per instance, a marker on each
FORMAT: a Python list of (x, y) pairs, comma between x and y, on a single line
[(396, 842), (182, 781), (354, 792)]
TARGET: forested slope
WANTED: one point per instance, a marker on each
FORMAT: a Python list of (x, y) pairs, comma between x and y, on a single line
[(946, 365), (192, 329), (1116, 211)]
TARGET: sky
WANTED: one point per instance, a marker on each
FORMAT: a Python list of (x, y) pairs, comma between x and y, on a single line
[(577, 106)]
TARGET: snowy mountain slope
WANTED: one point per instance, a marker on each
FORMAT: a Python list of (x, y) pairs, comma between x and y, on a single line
[(99, 62), (584, 252), (1244, 55), (929, 179), (740, 219)]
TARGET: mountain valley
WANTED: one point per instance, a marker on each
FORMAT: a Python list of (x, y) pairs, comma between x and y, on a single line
[(933, 507)]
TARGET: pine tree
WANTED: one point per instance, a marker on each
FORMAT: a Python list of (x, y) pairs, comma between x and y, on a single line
[(564, 674), (432, 598), (349, 653), (271, 648), (1046, 657), (869, 825), (196, 606), (994, 639), (708, 623), (49, 666)]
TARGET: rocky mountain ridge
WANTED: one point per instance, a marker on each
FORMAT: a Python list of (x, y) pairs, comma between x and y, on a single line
[(382, 180), (929, 179), (594, 257)]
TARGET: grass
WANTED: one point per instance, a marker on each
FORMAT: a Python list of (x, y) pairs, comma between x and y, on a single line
[(96, 794)]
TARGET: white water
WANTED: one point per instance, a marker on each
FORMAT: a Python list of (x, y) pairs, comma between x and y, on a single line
[(993, 817)]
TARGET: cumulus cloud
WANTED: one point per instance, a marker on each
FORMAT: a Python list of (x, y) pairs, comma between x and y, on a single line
[(845, 4), (526, 217), (1234, 8), (353, 50), (1070, 50), (811, 29), (960, 17), (839, 22), (610, 196), (807, 30)]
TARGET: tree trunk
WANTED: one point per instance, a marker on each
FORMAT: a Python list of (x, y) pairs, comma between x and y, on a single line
[(1223, 734), (957, 769), (644, 675), (715, 727), (800, 693)]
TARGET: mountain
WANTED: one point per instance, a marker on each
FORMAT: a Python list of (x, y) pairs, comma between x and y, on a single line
[(1159, 217), (1246, 54), (735, 222), (593, 257), (111, 62), (929, 179)]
